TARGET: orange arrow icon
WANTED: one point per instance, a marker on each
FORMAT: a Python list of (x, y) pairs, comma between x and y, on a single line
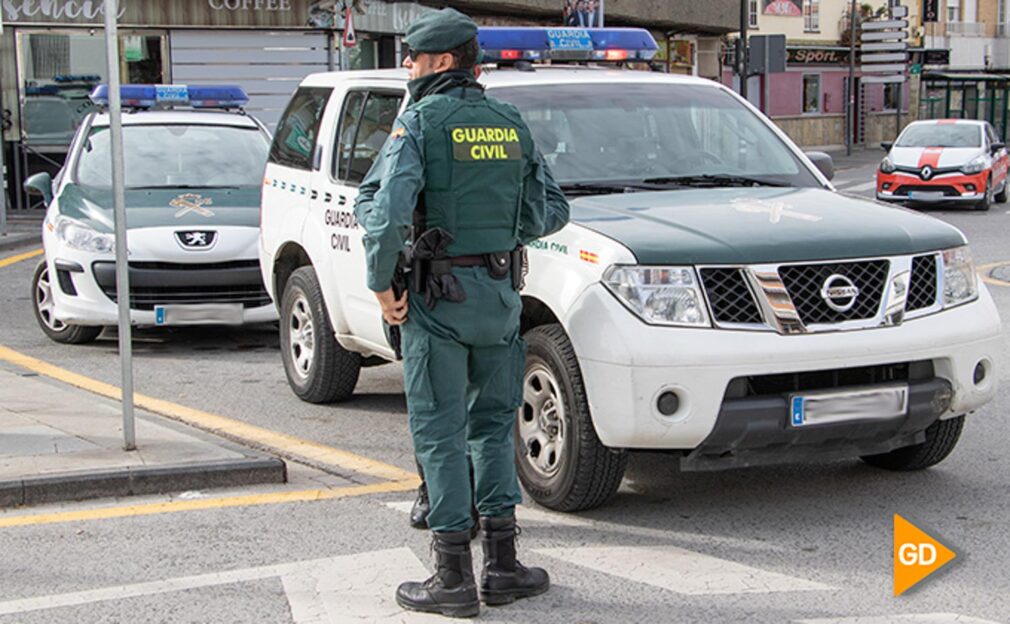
[(916, 555)]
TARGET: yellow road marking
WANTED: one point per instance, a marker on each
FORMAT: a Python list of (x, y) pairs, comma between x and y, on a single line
[(9, 260), (280, 443), (148, 509), (983, 272)]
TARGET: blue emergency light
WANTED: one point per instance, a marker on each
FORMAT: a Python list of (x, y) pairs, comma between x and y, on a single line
[(566, 44), (150, 96)]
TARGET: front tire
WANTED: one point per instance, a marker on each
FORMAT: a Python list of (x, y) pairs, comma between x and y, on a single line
[(986, 202), (941, 438), (560, 460), (319, 370), (45, 309), (1001, 197)]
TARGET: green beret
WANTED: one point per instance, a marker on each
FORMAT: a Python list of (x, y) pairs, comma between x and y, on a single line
[(440, 31)]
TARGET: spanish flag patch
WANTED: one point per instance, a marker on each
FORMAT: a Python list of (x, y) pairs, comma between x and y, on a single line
[(399, 133)]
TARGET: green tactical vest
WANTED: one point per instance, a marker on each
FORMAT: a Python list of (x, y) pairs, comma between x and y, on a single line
[(476, 150)]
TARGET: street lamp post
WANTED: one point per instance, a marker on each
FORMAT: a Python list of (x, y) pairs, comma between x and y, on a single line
[(850, 105)]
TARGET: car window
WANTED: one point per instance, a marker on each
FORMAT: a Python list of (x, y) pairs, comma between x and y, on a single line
[(176, 155), (375, 122), (940, 135), (629, 131), (350, 114), (296, 133)]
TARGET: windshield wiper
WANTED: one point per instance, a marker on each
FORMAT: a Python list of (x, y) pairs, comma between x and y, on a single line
[(713, 179), (600, 188)]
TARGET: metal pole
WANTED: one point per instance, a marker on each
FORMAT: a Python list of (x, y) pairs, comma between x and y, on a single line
[(119, 206), (3, 185), (850, 104), (741, 47), (766, 79), (900, 86)]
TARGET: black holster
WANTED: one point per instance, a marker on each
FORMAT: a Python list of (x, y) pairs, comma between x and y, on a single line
[(520, 267)]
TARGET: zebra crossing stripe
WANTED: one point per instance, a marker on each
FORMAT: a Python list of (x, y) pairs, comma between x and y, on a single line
[(679, 570)]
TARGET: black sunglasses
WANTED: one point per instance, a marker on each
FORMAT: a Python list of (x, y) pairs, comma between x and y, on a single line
[(413, 54)]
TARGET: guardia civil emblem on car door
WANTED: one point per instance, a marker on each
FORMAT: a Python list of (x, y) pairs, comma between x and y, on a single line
[(196, 240)]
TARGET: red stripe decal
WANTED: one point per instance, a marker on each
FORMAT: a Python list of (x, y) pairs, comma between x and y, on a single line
[(946, 122), (930, 156)]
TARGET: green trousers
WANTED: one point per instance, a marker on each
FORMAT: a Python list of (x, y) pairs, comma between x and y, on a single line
[(463, 367)]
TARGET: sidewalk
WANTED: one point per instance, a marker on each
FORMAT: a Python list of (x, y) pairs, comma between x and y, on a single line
[(22, 230), (61, 443), (860, 157)]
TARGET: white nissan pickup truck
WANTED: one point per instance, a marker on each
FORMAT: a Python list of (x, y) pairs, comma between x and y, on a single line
[(713, 296)]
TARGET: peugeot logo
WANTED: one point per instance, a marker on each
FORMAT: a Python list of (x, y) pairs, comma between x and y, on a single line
[(196, 240), (839, 293), (926, 172)]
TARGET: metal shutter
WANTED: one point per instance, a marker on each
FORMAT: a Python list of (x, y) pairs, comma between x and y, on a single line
[(267, 64)]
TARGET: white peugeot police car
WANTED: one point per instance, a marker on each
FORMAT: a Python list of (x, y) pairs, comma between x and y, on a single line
[(194, 164), (712, 297)]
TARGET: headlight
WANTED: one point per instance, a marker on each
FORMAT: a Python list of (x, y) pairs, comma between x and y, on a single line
[(659, 295), (975, 166), (960, 282), (79, 236), (887, 165)]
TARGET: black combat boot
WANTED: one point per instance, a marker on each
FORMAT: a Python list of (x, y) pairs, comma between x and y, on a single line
[(504, 579), (452, 590), (419, 512)]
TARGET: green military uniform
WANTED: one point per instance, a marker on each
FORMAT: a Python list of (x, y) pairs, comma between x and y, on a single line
[(472, 161)]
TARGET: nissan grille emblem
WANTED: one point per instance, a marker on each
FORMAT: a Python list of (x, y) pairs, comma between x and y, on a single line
[(839, 293), (926, 173), (196, 240)]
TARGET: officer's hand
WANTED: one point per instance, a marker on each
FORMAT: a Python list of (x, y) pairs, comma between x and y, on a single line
[(394, 310)]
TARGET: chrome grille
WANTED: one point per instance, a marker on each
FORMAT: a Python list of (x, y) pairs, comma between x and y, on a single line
[(805, 281), (922, 288), (729, 297)]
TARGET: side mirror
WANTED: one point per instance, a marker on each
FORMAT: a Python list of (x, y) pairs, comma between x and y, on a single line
[(41, 183), (823, 162), (997, 146), (887, 145)]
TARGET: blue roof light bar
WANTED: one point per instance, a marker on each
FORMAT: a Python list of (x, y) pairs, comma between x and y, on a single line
[(504, 44), (166, 96)]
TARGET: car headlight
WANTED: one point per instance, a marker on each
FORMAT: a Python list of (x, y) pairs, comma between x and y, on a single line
[(659, 295), (79, 236), (975, 166), (887, 165), (960, 282)]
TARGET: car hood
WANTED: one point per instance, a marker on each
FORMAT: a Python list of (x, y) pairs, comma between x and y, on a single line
[(935, 157), (758, 224), (163, 207)]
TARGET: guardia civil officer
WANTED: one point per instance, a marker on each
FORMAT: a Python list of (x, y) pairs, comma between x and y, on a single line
[(461, 171)]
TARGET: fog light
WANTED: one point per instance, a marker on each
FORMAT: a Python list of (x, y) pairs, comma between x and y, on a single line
[(886, 186), (980, 372), (969, 187), (941, 400), (668, 403)]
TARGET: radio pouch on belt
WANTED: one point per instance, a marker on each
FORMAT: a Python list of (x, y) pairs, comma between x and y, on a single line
[(428, 255)]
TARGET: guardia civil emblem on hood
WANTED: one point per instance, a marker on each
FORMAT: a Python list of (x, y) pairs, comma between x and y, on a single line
[(192, 202)]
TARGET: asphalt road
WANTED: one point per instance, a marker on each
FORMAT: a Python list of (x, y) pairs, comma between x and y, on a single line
[(780, 544)]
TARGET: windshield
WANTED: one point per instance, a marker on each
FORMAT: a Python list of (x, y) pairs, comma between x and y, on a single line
[(596, 132), (177, 155), (941, 135)]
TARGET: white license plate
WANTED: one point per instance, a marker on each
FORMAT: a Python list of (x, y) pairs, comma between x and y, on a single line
[(877, 403), (198, 314), (925, 195)]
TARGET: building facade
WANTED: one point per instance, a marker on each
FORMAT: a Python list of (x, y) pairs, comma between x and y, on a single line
[(52, 53)]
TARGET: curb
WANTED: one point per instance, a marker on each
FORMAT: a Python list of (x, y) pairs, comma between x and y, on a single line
[(76, 486), (20, 239)]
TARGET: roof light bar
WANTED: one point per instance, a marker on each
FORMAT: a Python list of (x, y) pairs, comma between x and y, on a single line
[(502, 44), (166, 96)]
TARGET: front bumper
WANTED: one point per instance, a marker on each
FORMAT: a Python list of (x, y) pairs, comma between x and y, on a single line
[(84, 288), (627, 364), (953, 188)]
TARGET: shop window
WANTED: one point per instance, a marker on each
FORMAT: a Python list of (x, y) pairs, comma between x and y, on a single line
[(953, 10), (891, 92), (296, 132), (811, 15), (752, 13), (811, 93), (59, 70)]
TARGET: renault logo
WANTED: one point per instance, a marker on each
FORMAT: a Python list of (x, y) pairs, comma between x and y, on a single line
[(926, 172), (839, 293), (196, 240)]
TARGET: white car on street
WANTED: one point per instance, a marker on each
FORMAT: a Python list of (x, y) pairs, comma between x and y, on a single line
[(712, 297), (194, 166)]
